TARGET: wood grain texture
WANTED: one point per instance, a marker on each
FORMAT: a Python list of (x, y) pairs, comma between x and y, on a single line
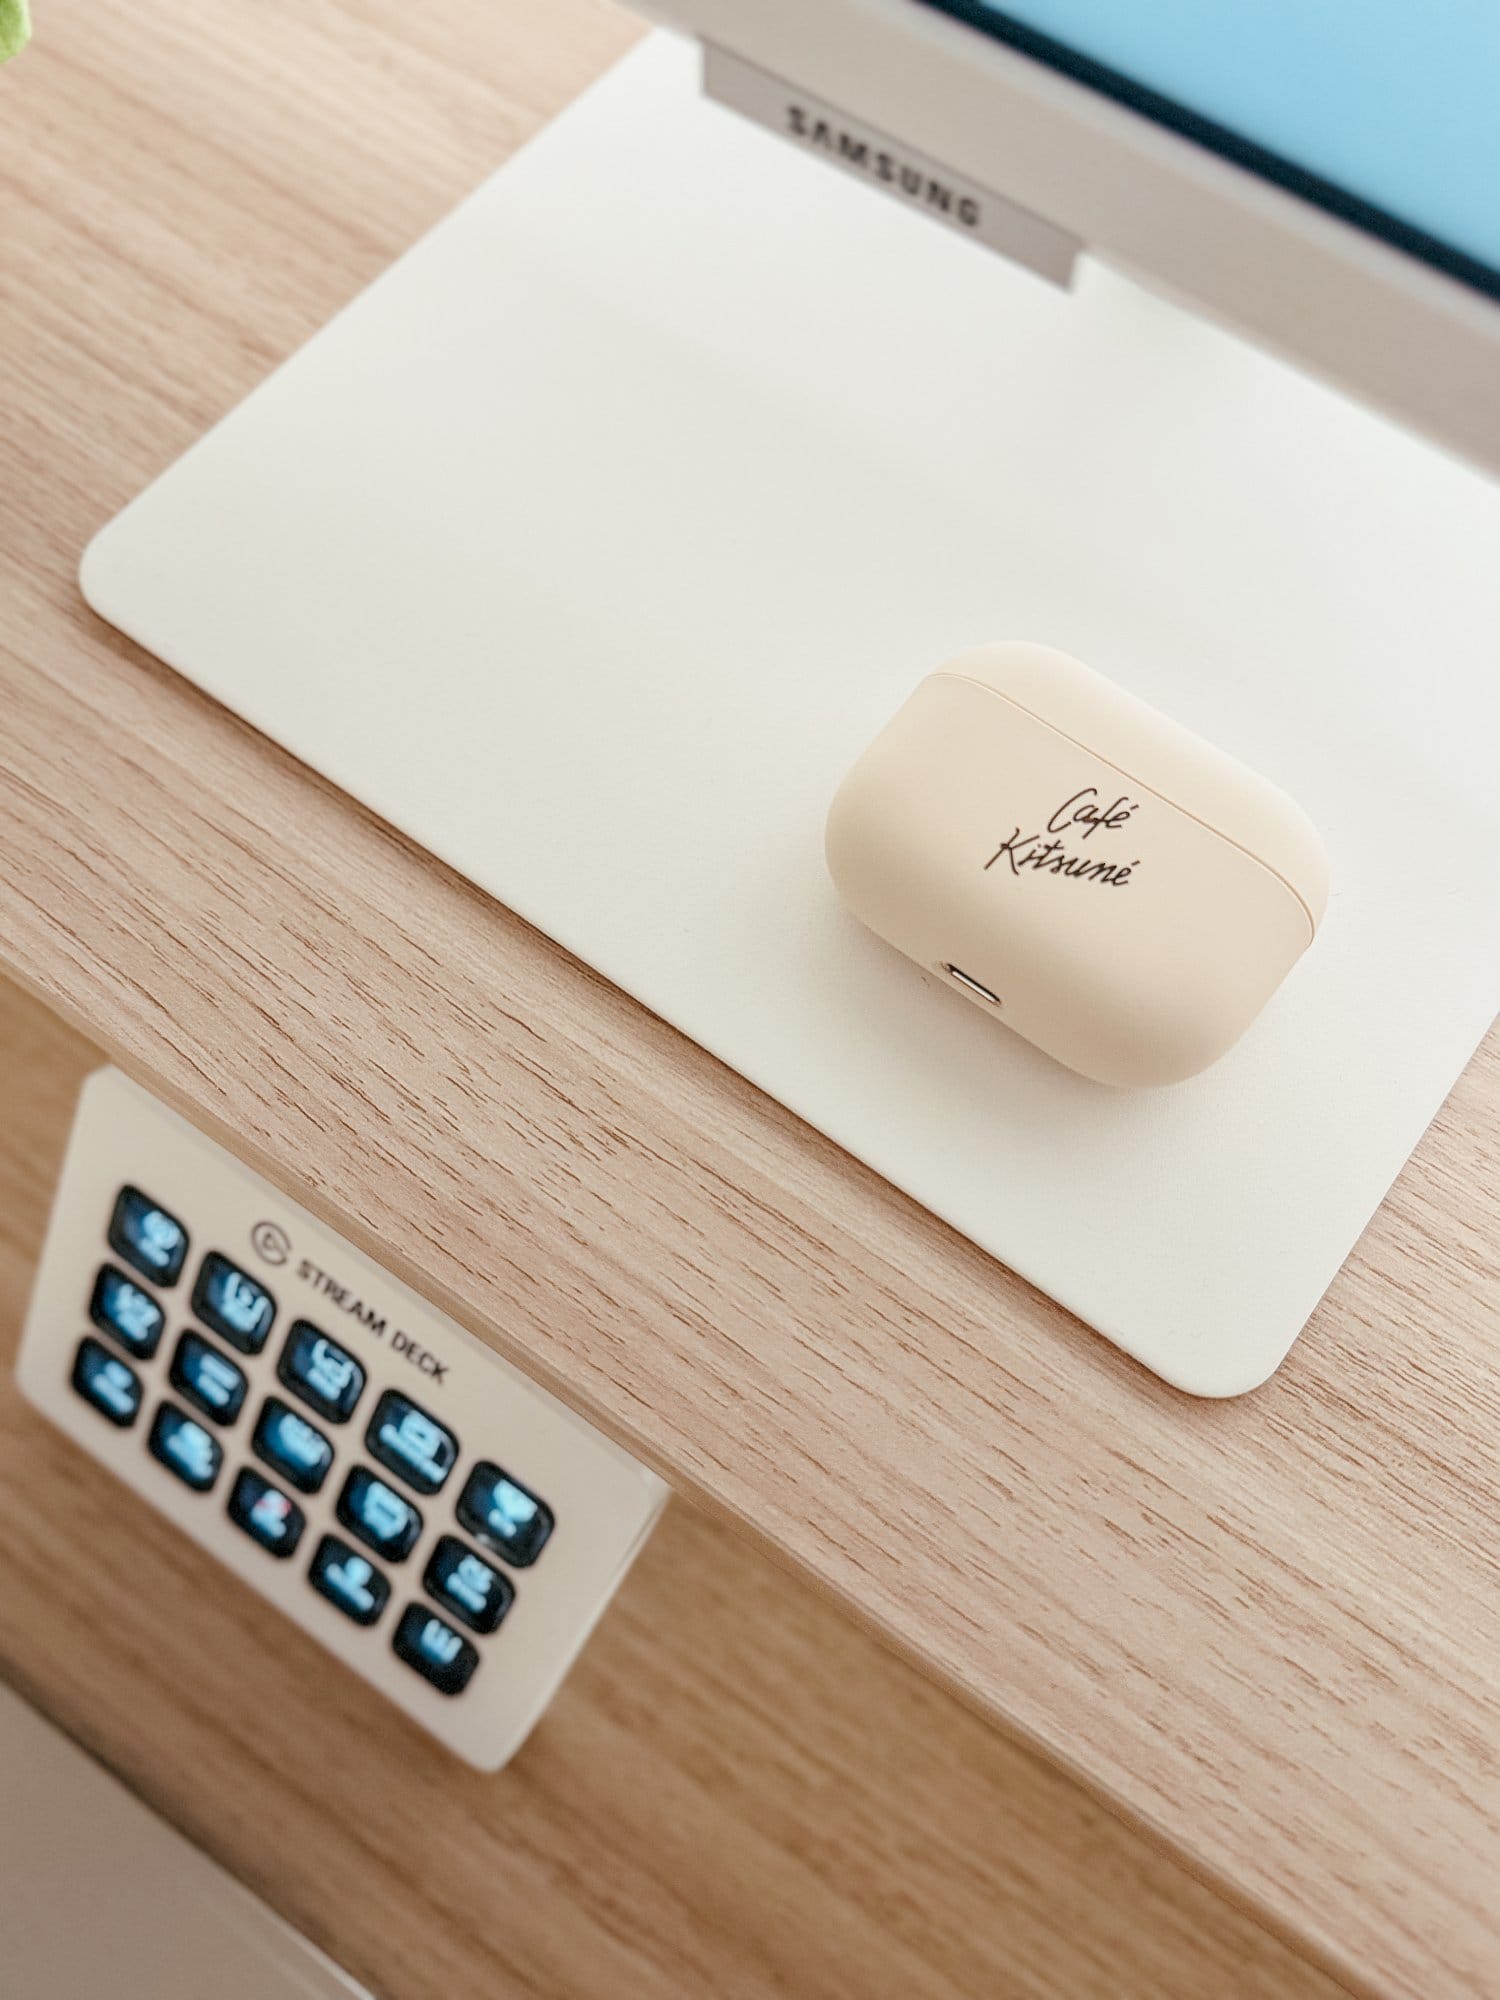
[(1270, 1630), (737, 1792)]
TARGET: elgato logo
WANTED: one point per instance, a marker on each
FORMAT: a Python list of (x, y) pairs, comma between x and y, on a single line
[(916, 183)]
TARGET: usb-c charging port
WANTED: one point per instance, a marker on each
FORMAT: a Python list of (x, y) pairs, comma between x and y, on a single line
[(979, 991)]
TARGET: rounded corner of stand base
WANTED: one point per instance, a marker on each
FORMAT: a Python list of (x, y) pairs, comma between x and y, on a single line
[(93, 572), (108, 573), (1218, 1377)]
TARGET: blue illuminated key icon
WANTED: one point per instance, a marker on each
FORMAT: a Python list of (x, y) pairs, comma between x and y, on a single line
[(291, 1445), (183, 1446), (229, 1301), (381, 1517), (431, 1646), (348, 1580), (320, 1372), (467, 1585), (209, 1380), (103, 1379), (266, 1514), (127, 1310), (411, 1443), (505, 1515), (146, 1236)]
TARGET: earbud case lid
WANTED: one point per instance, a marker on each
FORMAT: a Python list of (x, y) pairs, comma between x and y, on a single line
[(1108, 885)]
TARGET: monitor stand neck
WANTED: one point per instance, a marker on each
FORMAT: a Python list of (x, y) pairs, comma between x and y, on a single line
[(925, 186)]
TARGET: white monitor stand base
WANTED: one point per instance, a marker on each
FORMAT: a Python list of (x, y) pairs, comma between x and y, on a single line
[(595, 540)]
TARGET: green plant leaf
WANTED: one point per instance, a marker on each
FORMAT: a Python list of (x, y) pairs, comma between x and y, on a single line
[(15, 27)]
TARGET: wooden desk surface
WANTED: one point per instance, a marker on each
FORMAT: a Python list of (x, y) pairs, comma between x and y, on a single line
[(1269, 1630), (737, 1793)]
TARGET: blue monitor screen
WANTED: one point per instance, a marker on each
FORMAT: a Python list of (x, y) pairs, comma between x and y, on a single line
[(1383, 112)]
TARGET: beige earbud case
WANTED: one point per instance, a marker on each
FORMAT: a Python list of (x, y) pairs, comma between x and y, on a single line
[(1106, 884)]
